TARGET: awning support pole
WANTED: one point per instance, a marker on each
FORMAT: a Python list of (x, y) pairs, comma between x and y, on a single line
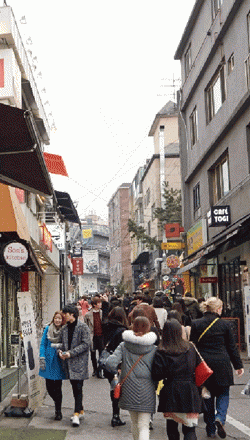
[(2, 153)]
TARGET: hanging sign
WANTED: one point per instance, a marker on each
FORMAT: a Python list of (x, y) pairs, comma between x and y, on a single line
[(219, 216), (77, 266), (15, 254)]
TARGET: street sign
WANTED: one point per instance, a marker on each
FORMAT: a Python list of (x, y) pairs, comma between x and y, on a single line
[(171, 245)]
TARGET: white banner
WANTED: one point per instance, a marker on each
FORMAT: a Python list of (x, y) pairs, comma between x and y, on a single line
[(28, 327), (90, 262)]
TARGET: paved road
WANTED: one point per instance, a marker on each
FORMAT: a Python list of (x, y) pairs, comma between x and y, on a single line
[(96, 425)]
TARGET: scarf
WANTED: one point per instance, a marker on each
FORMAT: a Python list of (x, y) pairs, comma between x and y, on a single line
[(54, 334)]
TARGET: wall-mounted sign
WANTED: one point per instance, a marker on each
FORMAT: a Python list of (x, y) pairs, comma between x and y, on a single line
[(219, 216), (170, 245), (207, 280), (15, 254), (46, 237), (173, 261)]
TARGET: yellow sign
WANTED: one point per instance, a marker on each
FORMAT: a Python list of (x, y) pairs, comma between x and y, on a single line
[(87, 233), (196, 236), (173, 245)]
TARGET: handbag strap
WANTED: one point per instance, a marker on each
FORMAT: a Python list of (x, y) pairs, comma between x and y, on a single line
[(131, 369), (210, 325), (197, 351)]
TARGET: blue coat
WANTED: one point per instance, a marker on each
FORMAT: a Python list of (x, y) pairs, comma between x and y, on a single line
[(54, 369)]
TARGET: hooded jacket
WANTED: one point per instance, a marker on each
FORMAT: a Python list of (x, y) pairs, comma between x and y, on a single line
[(138, 390)]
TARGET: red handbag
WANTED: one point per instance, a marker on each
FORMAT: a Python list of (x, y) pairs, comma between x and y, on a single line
[(118, 387), (202, 371)]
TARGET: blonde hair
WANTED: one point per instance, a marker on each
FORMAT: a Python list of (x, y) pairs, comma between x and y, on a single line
[(212, 304)]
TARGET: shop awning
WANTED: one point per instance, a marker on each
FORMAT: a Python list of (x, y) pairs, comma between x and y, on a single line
[(67, 207), (21, 160), (12, 218), (13, 225), (189, 266), (142, 258)]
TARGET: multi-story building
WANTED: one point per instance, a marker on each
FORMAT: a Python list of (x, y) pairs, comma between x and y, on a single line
[(29, 257), (215, 151), (147, 190), (119, 241), (93, 241)]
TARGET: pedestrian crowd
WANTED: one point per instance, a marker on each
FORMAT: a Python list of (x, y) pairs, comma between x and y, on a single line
[(150, 349)]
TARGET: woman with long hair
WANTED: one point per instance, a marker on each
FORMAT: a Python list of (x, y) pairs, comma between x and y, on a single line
[(138, 389), (112, 332), (50, 363), (214, 339), (174, 362)]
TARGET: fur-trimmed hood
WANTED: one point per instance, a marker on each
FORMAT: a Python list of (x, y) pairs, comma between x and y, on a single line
[(139, 344)]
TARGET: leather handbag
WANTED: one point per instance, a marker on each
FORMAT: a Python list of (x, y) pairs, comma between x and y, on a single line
[(118, 387), (202, 371)]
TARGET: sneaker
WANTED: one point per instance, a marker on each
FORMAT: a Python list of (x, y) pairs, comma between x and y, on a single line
[(75, 420), (81, 416), (151, 425), (220, 429)]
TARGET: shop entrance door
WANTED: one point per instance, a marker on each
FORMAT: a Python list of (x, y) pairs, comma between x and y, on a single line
[(230, 291)]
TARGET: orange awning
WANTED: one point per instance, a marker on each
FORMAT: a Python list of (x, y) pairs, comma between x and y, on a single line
[(55, 164), (12, 218)]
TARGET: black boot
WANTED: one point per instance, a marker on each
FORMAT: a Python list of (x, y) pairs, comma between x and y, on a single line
[(116, 421), (58, 415)]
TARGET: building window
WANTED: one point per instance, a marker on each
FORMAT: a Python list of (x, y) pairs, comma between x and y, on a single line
[(230, 64), (147, 198), (187, 60), (149, 228), (216, 6), (153, 212), (196, 197), (220, 179), (215, 94), (193, 127), (248, 30)]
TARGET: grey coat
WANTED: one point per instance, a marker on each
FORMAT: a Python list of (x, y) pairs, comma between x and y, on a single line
[(138, 390), (76, 366)]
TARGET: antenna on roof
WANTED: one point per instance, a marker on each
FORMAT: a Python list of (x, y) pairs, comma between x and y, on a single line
[(175, 84)]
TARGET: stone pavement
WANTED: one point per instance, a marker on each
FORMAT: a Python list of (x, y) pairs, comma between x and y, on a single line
[(96, 424)]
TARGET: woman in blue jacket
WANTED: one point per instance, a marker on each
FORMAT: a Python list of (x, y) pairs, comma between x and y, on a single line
[(50, 363)]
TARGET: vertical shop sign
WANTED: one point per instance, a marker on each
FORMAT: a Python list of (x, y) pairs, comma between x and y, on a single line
[(28, 328), (77, 266)]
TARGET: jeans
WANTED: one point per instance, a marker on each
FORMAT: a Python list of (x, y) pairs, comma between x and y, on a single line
[(222, 402), (173, 433), (140, 425), (77, 386)]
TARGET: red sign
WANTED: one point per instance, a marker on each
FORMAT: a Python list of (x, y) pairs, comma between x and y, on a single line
[(46, 237), (204, 280), (2, 72), (77, 266), (55, 164), (173, 230)]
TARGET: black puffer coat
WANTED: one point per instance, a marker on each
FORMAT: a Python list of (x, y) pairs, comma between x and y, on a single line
[(180, 393), (112, 334), (218, 348)]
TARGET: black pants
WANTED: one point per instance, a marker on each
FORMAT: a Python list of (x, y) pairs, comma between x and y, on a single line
[(97, 346), (173, 433), (77, 386), (54, 388)]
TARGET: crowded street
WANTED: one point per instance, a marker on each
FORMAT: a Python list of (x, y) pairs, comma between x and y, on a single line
[(96, 423)]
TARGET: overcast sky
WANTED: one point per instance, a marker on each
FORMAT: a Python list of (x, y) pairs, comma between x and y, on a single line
[(105, 66)]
